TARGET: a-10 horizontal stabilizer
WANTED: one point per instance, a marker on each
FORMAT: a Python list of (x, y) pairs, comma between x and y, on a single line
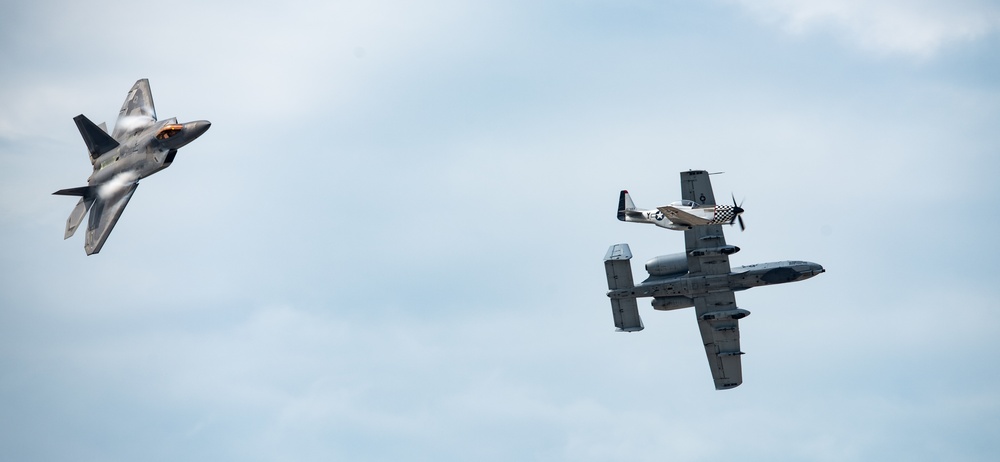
[(619, 270)]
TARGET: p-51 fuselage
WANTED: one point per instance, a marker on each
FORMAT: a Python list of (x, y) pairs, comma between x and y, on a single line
[(679, 215)]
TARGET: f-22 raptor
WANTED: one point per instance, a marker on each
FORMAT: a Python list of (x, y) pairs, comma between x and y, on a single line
[(138, 147), (700, 277)]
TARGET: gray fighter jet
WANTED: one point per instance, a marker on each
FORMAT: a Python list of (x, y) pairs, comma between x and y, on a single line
[(139, 146), (700, 277)]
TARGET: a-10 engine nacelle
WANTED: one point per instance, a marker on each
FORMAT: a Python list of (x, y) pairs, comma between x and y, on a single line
[(672, 303), (674, 264)]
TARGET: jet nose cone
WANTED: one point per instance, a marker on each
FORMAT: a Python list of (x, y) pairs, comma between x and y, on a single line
[(177, 136), (197, 128)]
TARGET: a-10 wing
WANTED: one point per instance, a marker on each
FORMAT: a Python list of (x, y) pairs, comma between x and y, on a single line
[(696, 186), (718, 321), (717, 313)]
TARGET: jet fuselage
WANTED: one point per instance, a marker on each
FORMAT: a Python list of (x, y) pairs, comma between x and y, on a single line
[(740, 278), (146, 151)]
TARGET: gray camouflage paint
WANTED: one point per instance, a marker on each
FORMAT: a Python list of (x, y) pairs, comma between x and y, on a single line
[(139, 147)]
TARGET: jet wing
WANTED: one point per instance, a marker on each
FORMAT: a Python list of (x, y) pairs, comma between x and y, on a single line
[(104, 214), (696, 186), (137, 111), (706, 239), (718, 321)]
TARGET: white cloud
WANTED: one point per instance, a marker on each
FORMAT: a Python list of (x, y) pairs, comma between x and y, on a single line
[(917, 28)]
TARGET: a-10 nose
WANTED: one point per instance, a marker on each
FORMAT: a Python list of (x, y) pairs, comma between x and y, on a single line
[(814, 269)]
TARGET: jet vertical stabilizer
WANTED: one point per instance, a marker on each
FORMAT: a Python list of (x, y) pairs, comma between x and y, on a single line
[(98, 141), (617, 265)]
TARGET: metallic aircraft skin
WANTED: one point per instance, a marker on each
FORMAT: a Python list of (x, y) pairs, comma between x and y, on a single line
[(679, 215), (138, 147), (700, 277)]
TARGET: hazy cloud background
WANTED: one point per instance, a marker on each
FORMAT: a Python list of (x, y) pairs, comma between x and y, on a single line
[(389, 244), (916, 28)]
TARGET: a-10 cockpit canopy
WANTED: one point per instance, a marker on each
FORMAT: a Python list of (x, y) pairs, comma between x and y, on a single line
[(685, 203)]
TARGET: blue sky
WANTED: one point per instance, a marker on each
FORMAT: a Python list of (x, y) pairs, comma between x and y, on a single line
[(388, 246)]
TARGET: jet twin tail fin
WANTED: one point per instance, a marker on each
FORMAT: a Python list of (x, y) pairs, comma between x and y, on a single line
[(98, 140), (619, 271)]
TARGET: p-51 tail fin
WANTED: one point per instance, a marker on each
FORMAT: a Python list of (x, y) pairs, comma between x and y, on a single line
[(98, 140), (625, 206)]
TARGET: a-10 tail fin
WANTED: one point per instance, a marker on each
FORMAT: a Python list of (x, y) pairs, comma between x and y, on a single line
[(617, 265)]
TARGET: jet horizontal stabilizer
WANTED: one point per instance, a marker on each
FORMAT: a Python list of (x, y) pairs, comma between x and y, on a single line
[(83, 191), (76, 217)]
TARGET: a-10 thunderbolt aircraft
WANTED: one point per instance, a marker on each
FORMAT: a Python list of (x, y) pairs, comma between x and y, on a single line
[(138, 147), (700, 277)]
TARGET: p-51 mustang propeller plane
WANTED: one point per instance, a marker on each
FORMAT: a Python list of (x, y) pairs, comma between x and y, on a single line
[(700, 277), (680, 215), (138, 147)]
